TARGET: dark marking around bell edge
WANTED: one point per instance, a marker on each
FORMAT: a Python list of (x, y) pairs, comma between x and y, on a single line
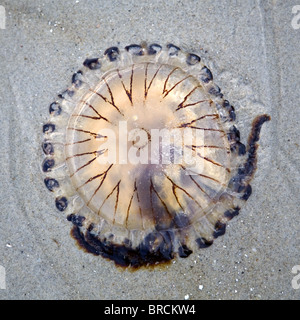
[(238, 148), (233, 134), (184, 251), (229, 214), (76, 219), (76, 79), (61, 203), (92, 64), (55, 109), (48, 164), (230, 109), (135, 49), (156, 248), (66, 93), (154, 48), (237, 183), (247, 193), (51, 184), (47, 147), (206, 75), (234, 138), (112, 53), (173, 50), (203, 243), (192, 59), (48, 127), (215, 91), (181, 220), (82, 243), (220, 229)]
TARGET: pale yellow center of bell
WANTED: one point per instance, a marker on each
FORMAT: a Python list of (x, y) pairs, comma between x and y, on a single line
[(121, 135)]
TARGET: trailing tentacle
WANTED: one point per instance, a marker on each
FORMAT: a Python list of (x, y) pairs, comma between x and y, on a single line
[(240, 182)]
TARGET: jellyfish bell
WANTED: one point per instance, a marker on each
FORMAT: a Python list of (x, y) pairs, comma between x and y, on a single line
[(143, 156)]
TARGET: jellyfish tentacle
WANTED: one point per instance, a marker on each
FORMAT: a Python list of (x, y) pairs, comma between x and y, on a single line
[(240, 183)]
